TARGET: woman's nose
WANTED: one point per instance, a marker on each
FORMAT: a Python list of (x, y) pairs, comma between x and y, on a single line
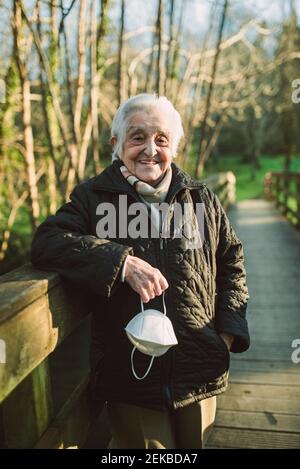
[(150, 149)]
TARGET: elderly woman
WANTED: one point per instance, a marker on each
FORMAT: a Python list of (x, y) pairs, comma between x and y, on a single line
[(102, 243)]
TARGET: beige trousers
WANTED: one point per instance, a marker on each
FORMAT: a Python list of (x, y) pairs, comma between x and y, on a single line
[(140, 428)]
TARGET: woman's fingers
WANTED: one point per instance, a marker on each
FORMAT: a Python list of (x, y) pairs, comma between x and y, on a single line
[(144, 295), (163, 283), (160, 284), (146, 280)]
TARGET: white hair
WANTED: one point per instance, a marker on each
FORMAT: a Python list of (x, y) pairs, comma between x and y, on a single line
[(144, 102)]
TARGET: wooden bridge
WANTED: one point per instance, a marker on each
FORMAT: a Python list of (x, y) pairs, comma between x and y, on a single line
[(44, 350), (261, 409)]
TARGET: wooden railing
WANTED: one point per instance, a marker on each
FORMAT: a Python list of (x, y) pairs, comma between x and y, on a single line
[(284, 189), (223, 184), (36, 315)]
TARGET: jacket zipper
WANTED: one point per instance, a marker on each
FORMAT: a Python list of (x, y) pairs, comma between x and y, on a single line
[(166, 398), (167, 360)]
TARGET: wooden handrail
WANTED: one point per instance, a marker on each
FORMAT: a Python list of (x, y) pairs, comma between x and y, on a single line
[(223, 184), (284, 189), (36, 315)]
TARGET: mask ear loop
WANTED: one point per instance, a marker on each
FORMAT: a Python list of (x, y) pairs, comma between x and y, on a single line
[(164, 304), (134, 348), (132, 366)]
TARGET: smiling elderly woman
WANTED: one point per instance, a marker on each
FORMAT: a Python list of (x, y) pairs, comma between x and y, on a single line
[(114, 242)]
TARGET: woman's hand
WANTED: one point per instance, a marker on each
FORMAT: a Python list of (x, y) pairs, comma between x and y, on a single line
[(146, 280), (228, 339)]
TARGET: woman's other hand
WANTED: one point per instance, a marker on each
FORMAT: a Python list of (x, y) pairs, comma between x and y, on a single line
[(228, 339)]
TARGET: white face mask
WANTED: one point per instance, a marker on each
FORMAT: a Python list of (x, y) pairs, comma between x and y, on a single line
[(152, 333)]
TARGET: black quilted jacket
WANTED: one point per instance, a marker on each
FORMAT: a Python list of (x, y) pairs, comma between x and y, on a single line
[(207, 293)]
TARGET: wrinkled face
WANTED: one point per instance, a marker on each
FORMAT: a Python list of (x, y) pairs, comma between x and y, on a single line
[(147, 150)]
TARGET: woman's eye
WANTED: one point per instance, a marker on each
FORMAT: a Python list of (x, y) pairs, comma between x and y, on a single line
[(138, 138), (162, 141)]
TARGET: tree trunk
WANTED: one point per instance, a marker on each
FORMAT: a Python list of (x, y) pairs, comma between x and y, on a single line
[(70, 146), (203, 129), (196, 92), (94, 93), (120, 80), (68, 78), (174, 86), (26, 116), (81, 71), (170, 47), (101, 33), (160, 68), (46, 111)]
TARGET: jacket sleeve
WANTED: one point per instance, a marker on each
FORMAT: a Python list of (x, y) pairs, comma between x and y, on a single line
[(62, 243), (232, 292)]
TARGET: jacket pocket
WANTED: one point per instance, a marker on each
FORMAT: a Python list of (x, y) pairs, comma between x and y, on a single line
[(224, 345)]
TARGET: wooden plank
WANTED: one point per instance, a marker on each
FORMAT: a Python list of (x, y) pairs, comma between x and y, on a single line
[(263, 353), (242, 363), (28, 410), (258, 404), (32, 333), (265, 391), (246, 376), (280, 339), (71, 426), (242, 438), (21, 287), (273, 421)]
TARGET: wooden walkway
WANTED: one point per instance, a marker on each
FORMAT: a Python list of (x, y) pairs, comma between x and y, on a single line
[(261, 409)]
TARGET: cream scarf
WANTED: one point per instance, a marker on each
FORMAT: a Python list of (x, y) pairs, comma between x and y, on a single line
[(149, 194)]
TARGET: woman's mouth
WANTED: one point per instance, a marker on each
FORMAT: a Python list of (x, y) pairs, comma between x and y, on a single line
[(148, 162)]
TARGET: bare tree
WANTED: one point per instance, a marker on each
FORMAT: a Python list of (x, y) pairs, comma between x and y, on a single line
[(70, 146), (160, 67), (203, 129), (81, 48), (94, 92), (195, 89), (101, 34), (17, 26), (68, 73), (121, 71), (53, 166), (174, 89), (289, 41), (170, 47)]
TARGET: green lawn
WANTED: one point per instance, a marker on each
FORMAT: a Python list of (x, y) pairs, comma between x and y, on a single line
[(250, 186)]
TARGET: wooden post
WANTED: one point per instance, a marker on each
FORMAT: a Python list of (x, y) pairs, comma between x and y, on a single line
[(277, 191), (298, 200), (285, 184)]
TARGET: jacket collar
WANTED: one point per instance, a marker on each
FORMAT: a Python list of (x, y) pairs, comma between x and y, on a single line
[(112, 180)]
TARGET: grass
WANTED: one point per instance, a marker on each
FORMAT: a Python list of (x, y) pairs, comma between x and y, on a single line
[(249, 185)]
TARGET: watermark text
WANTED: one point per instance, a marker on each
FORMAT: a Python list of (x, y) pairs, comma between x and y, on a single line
[(295, 357)]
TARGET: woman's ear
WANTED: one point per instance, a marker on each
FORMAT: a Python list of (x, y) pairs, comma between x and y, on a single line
[(113, 141)]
